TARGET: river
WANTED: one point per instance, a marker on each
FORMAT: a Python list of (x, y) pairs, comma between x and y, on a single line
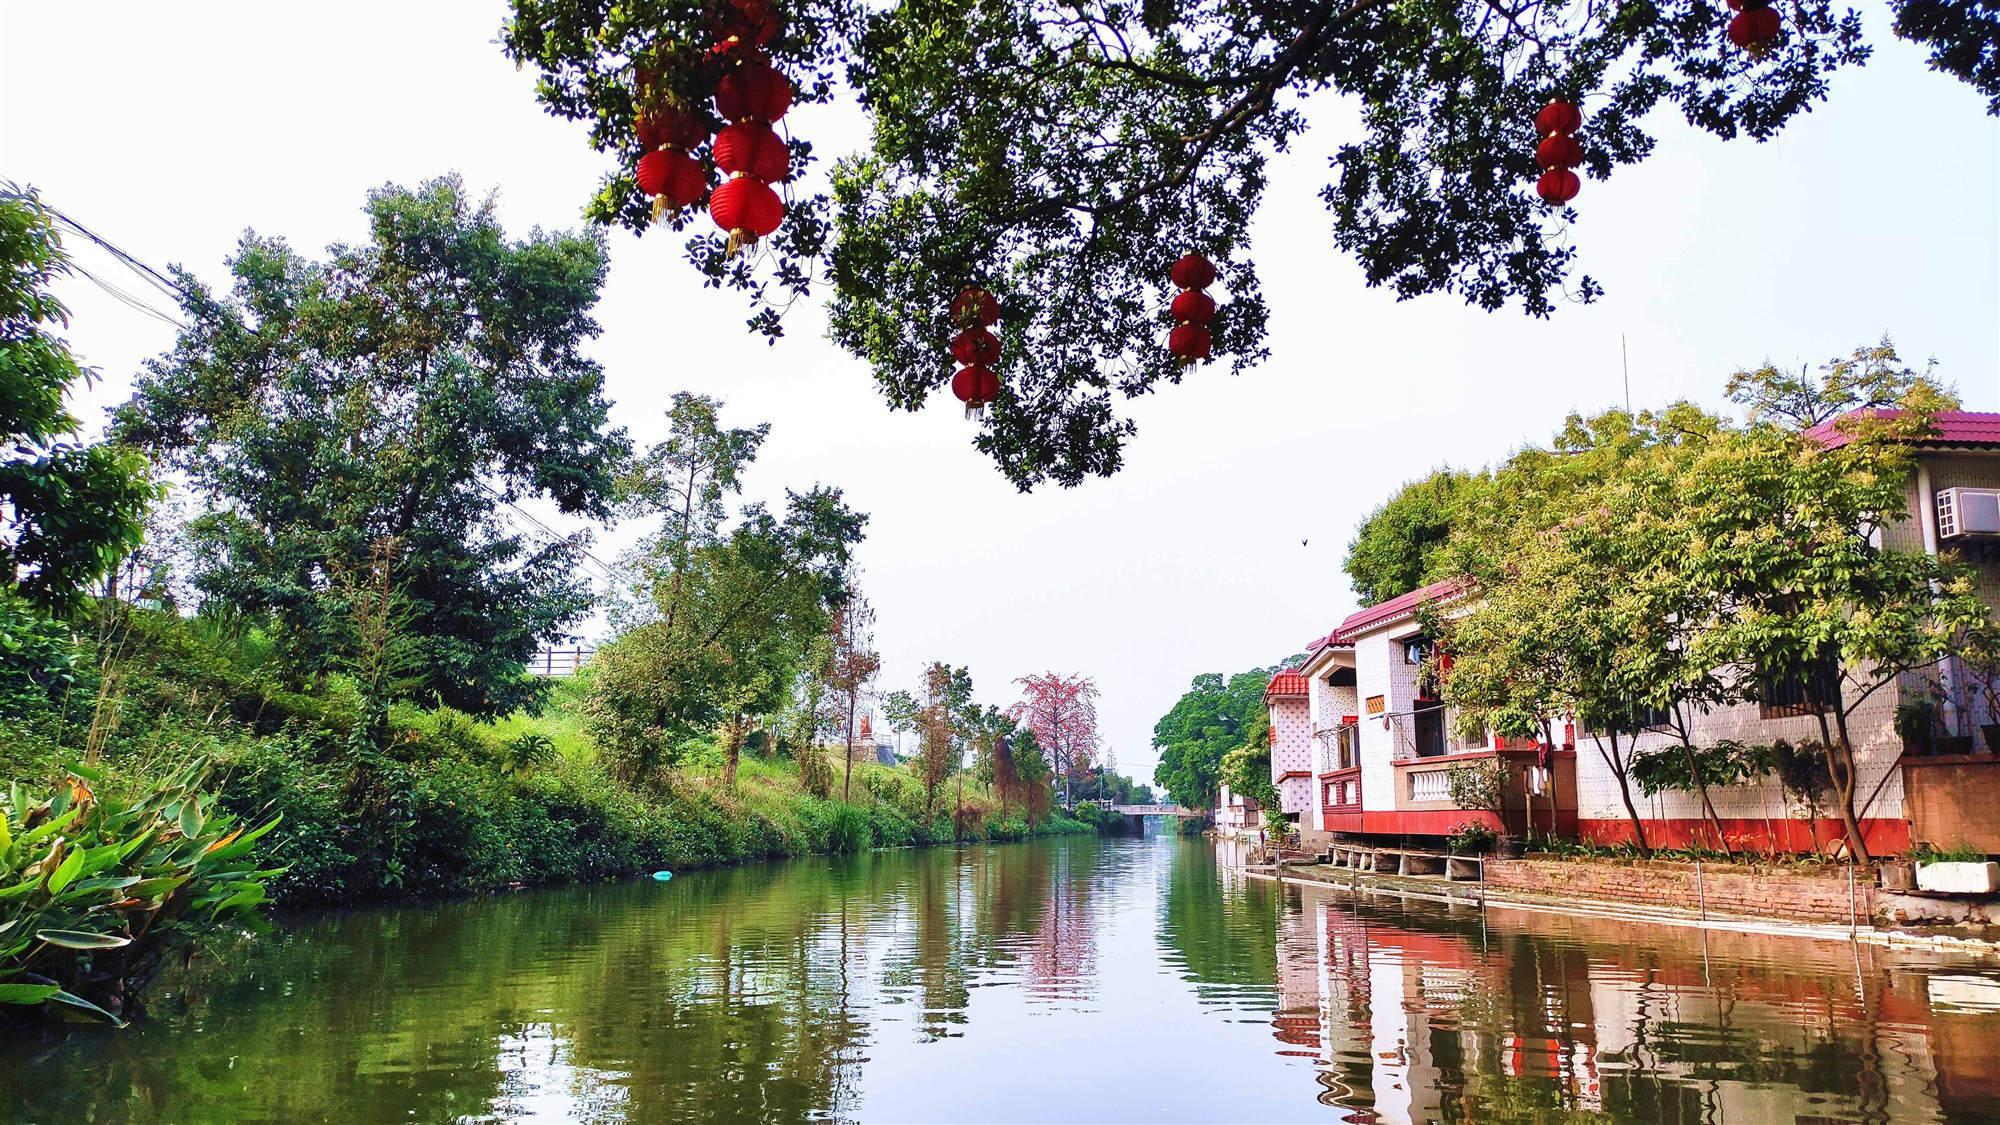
[(1060, 980)]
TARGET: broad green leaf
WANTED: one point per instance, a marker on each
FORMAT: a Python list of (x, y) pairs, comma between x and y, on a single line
[(78, 1002), (27, 993), (66, 872), (50, 828), (157, 887), (107, 883), (82, 939), (91, 774)]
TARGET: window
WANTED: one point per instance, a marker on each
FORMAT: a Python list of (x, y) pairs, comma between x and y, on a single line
[(1798, 691), (1429, 732)]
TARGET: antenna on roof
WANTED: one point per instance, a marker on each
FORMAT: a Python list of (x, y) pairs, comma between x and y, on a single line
[(1625, 360)]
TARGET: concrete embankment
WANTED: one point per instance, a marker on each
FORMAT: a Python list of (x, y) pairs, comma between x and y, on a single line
[(1825, 904)]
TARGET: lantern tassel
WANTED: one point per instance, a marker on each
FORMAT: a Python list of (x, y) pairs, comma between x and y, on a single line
[(740, 239), (659, 207)]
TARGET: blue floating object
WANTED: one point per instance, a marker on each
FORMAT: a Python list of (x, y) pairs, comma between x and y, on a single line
[(663, 876)]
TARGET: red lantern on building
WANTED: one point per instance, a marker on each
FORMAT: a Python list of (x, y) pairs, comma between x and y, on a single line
[(746, 208)]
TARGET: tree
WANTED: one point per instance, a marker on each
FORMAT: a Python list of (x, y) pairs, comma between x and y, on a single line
[(1063, 156), (1803, 591), (1867, 378), (852, 668), (1031, 769), (938, 728), (393, 397), (1401, 545), (723, 608), (1572, 620), (68, 511), (900, 710), (1205, 723), (1247, 768), (1062, 711)]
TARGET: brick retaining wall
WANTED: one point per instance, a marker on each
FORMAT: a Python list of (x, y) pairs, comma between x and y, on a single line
[(1739, 892)]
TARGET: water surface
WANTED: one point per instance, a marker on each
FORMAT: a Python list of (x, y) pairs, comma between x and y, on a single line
[(1070, 980)]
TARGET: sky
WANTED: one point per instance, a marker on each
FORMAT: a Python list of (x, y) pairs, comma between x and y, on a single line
[(171, 129)]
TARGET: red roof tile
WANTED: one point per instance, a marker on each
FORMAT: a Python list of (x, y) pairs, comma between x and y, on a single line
[(1286, 682), (1955, 427), (1402, 605)]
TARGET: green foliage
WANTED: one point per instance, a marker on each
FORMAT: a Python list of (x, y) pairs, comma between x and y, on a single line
[(72, 510), (38, 657), (359, 423), (1482, 785), (1247, 768), (726, 608), (1668, 769), (1925, 852), (1210, 720), (1401, 545), (1472, 838), (1063, 157), (96, 888)]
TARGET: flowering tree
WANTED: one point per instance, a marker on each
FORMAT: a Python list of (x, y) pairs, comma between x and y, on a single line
[(1062, 711)]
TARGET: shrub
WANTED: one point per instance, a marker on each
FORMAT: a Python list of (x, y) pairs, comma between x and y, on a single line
[(1472, 838), (93, 891), (1478, 787)]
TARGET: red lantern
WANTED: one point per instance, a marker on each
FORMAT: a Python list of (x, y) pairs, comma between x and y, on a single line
[(673, 178), (1558, 186), (974, 306), (1754, 29), (746, 208), (1558, 150), (750, 147), (1193, 271), (753, 92), (975, 385), (668, 127), (976, 347), (1189, 342), (1192, 306), (1739, 5), (1558, 117)]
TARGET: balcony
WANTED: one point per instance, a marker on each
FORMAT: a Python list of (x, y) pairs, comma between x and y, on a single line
[(1532, 800)]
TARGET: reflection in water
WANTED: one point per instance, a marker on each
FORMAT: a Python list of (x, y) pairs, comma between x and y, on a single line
[(1056, 981)]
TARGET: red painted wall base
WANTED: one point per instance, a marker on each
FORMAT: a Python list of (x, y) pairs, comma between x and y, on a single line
[(1883, 836)]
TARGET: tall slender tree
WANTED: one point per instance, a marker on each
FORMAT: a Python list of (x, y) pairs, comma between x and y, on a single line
[(852, 668)]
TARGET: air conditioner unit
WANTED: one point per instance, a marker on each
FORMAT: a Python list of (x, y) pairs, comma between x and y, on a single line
[(1963, 512)]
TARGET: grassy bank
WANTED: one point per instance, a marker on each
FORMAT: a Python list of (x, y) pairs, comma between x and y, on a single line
[(453, 805)]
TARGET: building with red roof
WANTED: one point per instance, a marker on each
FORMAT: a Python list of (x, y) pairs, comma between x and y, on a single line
[(1380, 743)]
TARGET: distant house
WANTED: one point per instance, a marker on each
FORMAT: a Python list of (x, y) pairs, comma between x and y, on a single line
[(1379, 742), (1236, 813)]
